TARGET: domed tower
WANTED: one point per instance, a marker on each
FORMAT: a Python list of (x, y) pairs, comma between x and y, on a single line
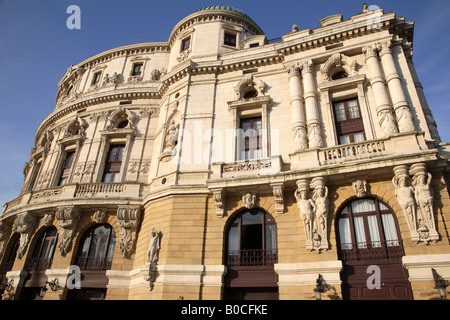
[(210, 32)]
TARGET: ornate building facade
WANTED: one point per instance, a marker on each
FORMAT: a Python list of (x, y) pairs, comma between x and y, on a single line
[(221, 165)]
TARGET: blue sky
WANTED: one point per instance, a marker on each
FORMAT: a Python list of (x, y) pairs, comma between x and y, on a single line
[(36, 48)]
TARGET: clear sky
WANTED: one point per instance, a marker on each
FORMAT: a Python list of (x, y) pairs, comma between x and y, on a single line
[(36, 48)]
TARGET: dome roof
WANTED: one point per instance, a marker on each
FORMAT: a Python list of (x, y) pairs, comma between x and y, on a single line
[(223, 8)]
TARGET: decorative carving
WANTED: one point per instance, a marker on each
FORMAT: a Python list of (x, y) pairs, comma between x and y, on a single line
[(25, 225), (247, 166), (315, 135), (157, 74), (306, 206), (48, 220), (299, 137), (249, 81), (424, 199), (99, 216), (249, 200), (361, 187), (77, 126), (314, 212), (183, 55), (416, 201), (172, 136), (113, 80), (5, 230), (387, 122), (128, 219), (279, 198), (68, 218), (155, 245), (120, 115), (404, 119), (219, 201)]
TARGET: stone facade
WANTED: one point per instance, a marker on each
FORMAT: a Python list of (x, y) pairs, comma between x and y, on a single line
[(175, 111)]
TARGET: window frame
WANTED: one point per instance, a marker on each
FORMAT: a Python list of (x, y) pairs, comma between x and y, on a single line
[(369, 248), (114, 167), (350, 126), (245, 141), (96, 78), (137, 69), (187, 40), (230, 35), (65, 170)]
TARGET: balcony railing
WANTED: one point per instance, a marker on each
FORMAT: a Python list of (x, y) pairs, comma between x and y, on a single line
[(252, 258), (361, 150), (37, 264), (374, 251), (94, 264), (88, 189)]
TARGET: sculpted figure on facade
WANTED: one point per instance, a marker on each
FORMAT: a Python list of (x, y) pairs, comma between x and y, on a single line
[(172, 135), (424, 200), (306, 207), (321, 201), (416, 201), (68, 218), (360, 187), (155, 245), (249, 200)]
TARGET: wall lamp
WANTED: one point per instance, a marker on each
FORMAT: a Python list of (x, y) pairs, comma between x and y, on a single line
[(54, 285), (440, 283), (322, 287)]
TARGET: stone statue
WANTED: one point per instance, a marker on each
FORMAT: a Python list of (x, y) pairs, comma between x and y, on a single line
[(405, 197), (424, 197), (155, 245), (387, 122), (172, 135), (306, 207), (322, 206)]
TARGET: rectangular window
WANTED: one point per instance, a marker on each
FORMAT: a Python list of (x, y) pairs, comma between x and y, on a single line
[(96, 78), (349, 123), (66, 167), (251, 138), (185, 44), (113, 163), (137, 69), (230, 39)]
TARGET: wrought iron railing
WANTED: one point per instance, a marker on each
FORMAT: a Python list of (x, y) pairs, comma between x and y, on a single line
[(37, 264), (380, 250), (94, 264), (252, 258)]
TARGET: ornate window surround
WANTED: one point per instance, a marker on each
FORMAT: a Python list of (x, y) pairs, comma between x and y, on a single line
[(342, 89)]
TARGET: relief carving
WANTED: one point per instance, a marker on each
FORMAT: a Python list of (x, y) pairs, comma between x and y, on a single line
[(68, 218), (128, 221), (25, 225)]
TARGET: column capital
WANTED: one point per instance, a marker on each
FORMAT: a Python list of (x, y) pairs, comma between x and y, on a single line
[(292, 70), (307, 66)]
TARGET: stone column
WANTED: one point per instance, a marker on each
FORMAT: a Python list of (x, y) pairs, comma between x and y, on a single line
[(402, 111), (385, 112), (299, 135), (315, 135)]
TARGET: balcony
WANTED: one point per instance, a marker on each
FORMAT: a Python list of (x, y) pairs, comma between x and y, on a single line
[(94, 264), (374, 251), (72, 192), (252, 258)]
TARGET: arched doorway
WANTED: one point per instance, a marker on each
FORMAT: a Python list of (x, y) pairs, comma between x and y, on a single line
[(371, 249), (250, 255), (94, 257), (40, 261)]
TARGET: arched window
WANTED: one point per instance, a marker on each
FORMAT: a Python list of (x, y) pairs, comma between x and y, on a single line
[(97, 248), (368, 231), (45, 249), (251, 240)]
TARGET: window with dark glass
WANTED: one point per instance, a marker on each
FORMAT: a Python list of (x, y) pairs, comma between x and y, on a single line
[(137, 69), (97, 248), (252, 240), (185, 44), (66, 168), (251, 138), (44, 250), (96, 78), (34, 176), (230, 39), (113, 163), (349, 123)]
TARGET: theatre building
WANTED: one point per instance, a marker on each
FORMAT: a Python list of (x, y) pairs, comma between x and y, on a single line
[(224, 165)]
